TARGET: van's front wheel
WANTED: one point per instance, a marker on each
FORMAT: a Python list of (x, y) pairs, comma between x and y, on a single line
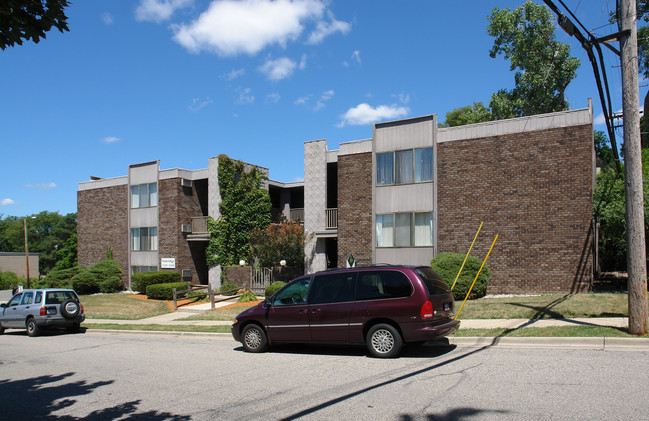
[(384, 341), (254, 339)]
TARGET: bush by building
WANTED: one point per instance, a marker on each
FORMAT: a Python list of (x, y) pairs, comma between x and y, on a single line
[(447, 265), (164, 291), (273, 288), (140, 281)]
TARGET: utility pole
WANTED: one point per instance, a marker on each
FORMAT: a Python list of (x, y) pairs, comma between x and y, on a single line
[(635, 235)]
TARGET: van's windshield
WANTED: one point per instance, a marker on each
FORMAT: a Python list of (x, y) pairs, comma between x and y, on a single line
[(434, 282)]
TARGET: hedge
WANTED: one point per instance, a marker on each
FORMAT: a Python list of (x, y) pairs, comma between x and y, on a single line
[(273, 288), (229, 286), (108, 275), (140, 281), (447, 265), (164, 291), (84, 282)]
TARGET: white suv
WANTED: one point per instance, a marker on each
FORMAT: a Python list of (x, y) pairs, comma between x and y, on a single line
[(36, 309)]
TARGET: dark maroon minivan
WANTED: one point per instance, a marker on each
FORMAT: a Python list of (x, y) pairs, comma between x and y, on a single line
[(380, 306)]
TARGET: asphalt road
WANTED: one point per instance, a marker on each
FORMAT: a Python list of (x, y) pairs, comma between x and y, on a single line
[(109, 376)]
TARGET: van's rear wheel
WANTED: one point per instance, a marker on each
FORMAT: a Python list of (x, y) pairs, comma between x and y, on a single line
[(384, 341), (254, 339)]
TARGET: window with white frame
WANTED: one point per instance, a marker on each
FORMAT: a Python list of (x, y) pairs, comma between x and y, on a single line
[(404, 229), (144, 239), (404, 167), (144, 195)]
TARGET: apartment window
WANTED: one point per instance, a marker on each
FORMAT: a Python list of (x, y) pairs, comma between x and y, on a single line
[(144, 195), (404, 229), (404, 167), (144, 239), (384, 168), (139, 269), (385, 230)]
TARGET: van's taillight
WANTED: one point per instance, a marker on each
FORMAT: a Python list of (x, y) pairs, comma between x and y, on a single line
[(43, 311), (427, 310)]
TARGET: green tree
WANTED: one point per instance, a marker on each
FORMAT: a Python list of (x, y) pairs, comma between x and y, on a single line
[(603, 151), (469, 114), (245, 207), (543, 66), (30, 19), (283, 241), (47, 232)]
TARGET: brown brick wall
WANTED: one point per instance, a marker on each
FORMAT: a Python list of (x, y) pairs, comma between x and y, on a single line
[(102, 221), (534, 190), (178, 205), (355, 208)]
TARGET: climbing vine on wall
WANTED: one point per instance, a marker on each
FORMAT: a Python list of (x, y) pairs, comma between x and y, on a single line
[(245, 207)]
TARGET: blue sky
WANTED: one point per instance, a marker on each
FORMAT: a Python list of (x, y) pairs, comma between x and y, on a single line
[(183, 80)]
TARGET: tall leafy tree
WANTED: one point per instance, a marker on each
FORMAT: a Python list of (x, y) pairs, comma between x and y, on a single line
[(47, 233), (543, 66), (30, 20), (470, 114)]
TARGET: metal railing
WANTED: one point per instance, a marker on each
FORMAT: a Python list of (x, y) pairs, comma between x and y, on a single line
[(199, 225), (297, 214), (332, 218)]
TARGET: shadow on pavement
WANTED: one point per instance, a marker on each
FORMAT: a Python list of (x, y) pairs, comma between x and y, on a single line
[(38, 398)]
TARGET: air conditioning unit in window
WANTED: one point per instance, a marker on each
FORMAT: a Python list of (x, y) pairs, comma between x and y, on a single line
[(185, 228), (187, 273), (186, 183)]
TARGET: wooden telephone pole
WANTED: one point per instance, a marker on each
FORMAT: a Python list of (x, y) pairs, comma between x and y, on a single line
[(635, 235)]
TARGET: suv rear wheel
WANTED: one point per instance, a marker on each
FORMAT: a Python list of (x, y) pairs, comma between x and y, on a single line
[(32, 328), (384, 341)]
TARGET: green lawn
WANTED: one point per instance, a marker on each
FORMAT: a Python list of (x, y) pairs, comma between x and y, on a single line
[(121, 306)]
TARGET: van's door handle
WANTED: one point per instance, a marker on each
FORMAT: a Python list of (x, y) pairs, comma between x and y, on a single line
[(316, 310), (302, 312)]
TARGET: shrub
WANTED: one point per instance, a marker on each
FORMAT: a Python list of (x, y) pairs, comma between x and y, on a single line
[(229, 286), (59, 278), (164, 291), (84, 282), (272, 288), (108, 274), (140, 281), (447, 265), (247, 297), (8, 280)]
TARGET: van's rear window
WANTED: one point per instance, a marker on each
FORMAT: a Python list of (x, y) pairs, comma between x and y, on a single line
[(434, 282)]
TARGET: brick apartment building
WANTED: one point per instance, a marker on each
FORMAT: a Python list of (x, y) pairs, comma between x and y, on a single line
[(410, 191)]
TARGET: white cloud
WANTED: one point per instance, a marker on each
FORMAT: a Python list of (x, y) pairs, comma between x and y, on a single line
[(273, 98), (302, 64), (107, 18), (302, 100), (7, 202), (324, 29), (356, 55), (110, 139), (326, 96), (245, 97), (234, 73), (198, 103), (278, 69), (159, 10), (231, 27), (366, 114), (41, 186)]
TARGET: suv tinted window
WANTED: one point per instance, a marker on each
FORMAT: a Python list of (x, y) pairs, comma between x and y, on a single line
[(293, 293), (15, 300), (27, 298), (333, 288), (434, 283), (382, 284), (57, 297)]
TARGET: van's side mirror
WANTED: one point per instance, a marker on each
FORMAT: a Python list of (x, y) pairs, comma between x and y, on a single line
[(267, 302)]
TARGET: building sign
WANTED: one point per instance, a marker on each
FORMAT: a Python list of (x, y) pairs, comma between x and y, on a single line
[(351, 262), (168, 263)]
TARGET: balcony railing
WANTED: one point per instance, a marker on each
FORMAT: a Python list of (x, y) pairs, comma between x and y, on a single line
[(199, 225), (332, 218), (297, 214)]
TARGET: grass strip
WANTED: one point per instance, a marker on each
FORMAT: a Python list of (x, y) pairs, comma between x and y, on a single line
[(159, 328), (549, 332)]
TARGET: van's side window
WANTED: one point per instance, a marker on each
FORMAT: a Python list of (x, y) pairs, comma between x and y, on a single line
[(382, 284), (293, 293), (333, 288)]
